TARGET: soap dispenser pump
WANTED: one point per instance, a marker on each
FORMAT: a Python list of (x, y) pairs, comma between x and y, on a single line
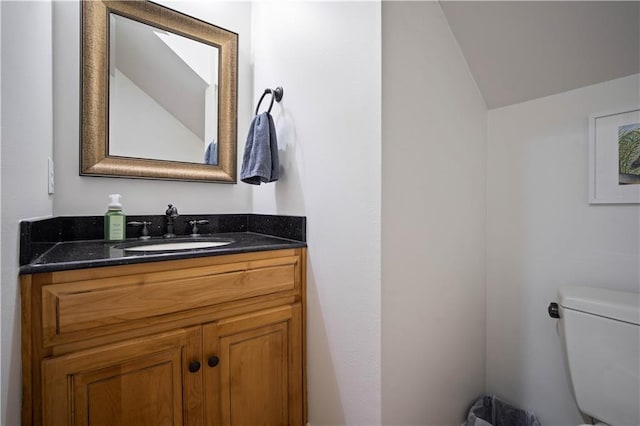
[(114, 228)]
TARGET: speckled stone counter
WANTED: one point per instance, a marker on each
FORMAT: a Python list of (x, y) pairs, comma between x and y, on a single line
[(65, 243)]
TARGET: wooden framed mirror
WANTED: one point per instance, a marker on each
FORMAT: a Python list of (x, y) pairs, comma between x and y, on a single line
[(158, 94)]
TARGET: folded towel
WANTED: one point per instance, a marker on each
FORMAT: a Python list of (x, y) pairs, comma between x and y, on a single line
[(211, 154), (260, 162)]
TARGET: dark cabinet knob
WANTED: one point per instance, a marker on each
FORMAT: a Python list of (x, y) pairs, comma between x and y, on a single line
[(213, 361), (554, 311), (194, 366)]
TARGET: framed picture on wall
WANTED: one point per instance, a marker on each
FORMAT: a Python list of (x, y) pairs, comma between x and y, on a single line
[(614, 157)]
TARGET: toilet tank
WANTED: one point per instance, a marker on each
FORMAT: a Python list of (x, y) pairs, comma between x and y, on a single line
[(601, 333)]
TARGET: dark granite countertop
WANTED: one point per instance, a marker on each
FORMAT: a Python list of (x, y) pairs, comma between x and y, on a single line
[(41, 253)]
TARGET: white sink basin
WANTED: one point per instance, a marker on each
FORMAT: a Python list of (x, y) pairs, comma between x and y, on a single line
[(176, 246)]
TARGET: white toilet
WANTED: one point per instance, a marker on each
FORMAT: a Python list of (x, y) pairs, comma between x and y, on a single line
[(601, 333)]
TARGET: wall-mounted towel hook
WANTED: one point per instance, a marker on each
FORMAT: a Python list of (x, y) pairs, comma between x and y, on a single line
[(275, 95)]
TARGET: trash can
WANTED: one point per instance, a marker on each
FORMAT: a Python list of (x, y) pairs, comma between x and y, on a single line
[(490, 410)]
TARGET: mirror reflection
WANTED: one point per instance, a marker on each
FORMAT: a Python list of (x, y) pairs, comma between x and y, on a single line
[(163, 94), (158, 94)]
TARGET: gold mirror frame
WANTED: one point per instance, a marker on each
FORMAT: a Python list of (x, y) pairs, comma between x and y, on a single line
[(94, 157)]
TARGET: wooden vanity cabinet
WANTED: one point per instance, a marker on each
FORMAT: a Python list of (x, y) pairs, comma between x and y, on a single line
[(209, 341)]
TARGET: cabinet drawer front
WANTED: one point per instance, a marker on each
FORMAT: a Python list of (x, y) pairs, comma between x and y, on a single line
[(79, 306)]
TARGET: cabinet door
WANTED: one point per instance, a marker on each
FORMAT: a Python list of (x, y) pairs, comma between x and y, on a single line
[(138, 382), (257, 379)]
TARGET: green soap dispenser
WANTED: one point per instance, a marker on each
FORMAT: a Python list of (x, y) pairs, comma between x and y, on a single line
[(114, 228)]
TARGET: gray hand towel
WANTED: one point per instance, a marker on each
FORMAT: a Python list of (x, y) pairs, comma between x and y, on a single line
[(260, 161), (211, 154), (273, 143)]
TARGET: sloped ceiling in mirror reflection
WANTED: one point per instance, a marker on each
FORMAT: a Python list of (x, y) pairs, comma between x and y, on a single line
[(160, 72)]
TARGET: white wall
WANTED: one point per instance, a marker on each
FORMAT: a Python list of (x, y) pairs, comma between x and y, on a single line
[(2, 405), (433, 221), (326, 56), (543, 234), (1, 352), (26, 144), (140, 196), (140, 127)]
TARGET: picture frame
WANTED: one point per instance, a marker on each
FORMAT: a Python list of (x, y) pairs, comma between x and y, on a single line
[(614, 141)]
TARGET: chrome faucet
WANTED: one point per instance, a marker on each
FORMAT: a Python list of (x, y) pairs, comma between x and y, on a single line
[(170, 214)]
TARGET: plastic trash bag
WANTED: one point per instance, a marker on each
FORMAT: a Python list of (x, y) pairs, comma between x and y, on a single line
[(489, 410)]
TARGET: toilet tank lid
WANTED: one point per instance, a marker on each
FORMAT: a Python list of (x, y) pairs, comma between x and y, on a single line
[(618, 305)]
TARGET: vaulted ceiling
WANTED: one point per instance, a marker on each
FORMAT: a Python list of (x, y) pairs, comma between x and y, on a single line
[(522, 50)]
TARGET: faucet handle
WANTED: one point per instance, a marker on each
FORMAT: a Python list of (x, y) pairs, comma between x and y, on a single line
[(172, 211), (194, 226), (145, 232)]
